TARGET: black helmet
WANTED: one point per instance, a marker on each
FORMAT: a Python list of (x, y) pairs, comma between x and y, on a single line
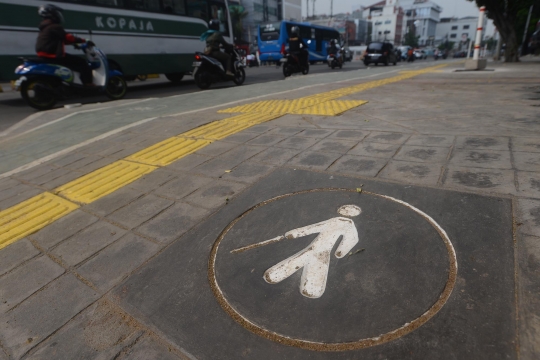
[(213, 24), (333, 42), (294, 31), (52, 12)]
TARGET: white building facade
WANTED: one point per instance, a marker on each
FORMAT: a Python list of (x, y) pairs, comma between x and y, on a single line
[(387, 19), (459, 31), (423, 16), (291, 10)]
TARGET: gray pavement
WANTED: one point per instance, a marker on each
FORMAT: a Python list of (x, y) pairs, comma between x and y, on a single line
[(147, 271)]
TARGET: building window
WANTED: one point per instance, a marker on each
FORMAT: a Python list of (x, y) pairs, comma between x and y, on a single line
[(466, 27), (453, 36), (454, 27), (388, 22), (378, 23)]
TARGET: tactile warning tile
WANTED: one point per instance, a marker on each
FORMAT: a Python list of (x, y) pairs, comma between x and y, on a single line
[(330, 108), (273, 106), (167, 151), (31, 215), (103, 181), (216, 130)]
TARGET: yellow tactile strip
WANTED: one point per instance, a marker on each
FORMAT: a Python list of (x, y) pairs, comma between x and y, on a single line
[(31, 215), (35, 213)]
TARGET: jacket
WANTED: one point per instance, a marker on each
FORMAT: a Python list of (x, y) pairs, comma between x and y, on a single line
[(294, 44), (52, 39), (215, 40)]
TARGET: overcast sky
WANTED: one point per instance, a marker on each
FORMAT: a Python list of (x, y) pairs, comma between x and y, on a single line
[(451, 8)]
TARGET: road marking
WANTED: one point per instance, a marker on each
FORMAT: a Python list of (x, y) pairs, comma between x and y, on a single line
[(110, 178)]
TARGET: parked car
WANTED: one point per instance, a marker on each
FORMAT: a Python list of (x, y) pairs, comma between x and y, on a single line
[(460, 54), (420, 54), (404, 50), (380, 53)]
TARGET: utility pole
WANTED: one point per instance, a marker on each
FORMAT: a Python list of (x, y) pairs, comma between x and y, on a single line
[(331, 9), (307, 9), (526, 30), (313, 9)]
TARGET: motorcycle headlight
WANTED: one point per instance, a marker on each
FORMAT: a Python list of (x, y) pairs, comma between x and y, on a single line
[(19, 68)]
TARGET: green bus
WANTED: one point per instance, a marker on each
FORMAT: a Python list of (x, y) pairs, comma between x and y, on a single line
[(139, 36)]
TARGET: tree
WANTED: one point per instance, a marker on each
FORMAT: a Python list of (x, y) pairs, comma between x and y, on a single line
[(238, 13), (447, 45), (411, 39)]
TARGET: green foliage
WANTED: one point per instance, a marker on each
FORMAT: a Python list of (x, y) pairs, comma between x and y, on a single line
[(411, 39), (237, 15)]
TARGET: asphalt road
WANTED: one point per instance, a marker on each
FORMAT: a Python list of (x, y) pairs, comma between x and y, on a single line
[(13, 109)]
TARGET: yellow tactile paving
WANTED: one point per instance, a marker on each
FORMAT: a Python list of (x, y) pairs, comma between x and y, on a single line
[(104, 181), (168, 151), (31, 215), (330, 108), (272, 106)]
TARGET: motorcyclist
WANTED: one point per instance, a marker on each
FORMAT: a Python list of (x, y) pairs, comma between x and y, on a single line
[(52, 39), (334, 49), (294, 42), (214, 39)]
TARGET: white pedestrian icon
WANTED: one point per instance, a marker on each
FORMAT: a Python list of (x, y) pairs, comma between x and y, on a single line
[(315, 258)]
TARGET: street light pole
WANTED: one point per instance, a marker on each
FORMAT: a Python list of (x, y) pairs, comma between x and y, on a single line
[(332, 9)]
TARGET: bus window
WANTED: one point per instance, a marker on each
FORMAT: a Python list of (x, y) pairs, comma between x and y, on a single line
[(148, 5), (219, 11), (270, 32), (177, 7), (198, 9)]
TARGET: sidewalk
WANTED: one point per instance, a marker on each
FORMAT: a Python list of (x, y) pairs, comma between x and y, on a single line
[(122, 270)]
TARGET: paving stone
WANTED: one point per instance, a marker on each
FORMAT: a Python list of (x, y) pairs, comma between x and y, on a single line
[(527, 161), (52, 175), (21, 196), (297, 142), (243, 152), (44, 313), (99, 332), (173, 222), (15, 254), (148, 349), (259, 129), (114, 201), (63, 228), (358, 165), (140, 211), (373, 149), (275, 156), (93, 166), (240, 138), (153, 180), (83, 162), (289, 131), (188, 162), (412, 172), (35, 172), (68, 159), (8, 183), (387, 137), (431, 140), (216, 148), (428, 154), (529, 184), (215, 194), (350, 134), (25, 280), (217, 166), (314, 160), (481, 159), (182, 186), (316, 133), (266, 140), (482, 142), (529, 216), (116, 261), (61, 180), (17, 189), (334, 145), (526, 144), (86, 243), (480, 179), (248, 172)]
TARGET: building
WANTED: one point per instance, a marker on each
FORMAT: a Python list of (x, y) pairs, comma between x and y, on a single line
[(290, 10), (387, 18), (459, 31), (422, 18)]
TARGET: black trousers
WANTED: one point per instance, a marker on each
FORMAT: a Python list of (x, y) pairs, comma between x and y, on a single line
[(77, 64)]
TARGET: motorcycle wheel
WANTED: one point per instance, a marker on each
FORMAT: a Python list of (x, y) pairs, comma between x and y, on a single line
[(116, 88), (286, 70), (341, 65), (43, 101), (333, 66), (202, 81), (239, 77), (305, 70)]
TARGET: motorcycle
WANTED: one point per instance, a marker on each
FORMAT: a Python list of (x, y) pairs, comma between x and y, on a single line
[(334, 62), (42, 83), (207, 70), (291, 64)]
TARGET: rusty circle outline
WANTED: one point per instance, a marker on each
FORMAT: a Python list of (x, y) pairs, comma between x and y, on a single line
[(344, 346)]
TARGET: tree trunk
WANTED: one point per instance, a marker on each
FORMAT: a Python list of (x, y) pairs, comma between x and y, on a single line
[(506, 28)]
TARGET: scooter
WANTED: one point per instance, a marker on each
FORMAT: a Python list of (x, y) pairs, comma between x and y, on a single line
[(207, 70), (334, 62), (291, 64), (42, 83)]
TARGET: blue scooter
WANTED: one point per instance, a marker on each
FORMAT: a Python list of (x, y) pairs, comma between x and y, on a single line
[(42, 84)]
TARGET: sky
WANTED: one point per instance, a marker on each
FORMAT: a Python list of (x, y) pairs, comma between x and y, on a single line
[(459, 8)]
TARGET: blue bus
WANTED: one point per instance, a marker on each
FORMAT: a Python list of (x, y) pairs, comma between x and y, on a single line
[(272, 39)]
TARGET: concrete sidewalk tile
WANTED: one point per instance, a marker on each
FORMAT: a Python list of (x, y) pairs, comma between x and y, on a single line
[(316, 133), (275, 156), (215, 194), (287, 131), (140, 211), (41, 315), (387, 137), (334, 145), (82, 162), (52, 175), (243, 152), (8, 183), (61, 180), (99, 332), (431, 140), (63, 228), (216, 148), (188, 162), (358, 165), (314, 160), (427, 154), (16, 189), (85, 244), (97, 164), (68, 159), (114, 201), (120, 151), (483, 142), (26, 194), (248, 172), (412, 172), (529, 184), (259, 129), (148, 349), (350, 135), (486, 159), (173, 222), (526, 161), (526, 144), (182, 186), (15, 254), (529, 217), (217, 166), (297, 143), (240, 138), (26, 280), (266, 140), (35, 172), (153, 180), (480, 179), (373, 149), (115, 262)]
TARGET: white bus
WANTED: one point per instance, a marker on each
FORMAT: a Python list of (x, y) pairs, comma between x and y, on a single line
[(139, 36)]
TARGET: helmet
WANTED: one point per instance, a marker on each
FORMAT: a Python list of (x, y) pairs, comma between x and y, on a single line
[(52, 12), (333, 42), (294, 31), (213, 24)]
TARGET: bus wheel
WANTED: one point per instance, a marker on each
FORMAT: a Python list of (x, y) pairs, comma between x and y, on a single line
[(240, 76), (116, 88), (175, 77), (38, 94), (142, 77), (201, 80)]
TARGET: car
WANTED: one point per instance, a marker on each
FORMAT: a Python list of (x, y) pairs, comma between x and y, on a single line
[(420, 54), (380, 53), (347, 55)]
